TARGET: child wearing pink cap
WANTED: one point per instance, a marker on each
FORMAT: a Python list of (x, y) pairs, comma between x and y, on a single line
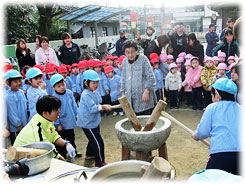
[(221, 72), (216, 60), (231, 59), (187, 87), (173, 85), (170, 59), (222, 57), (208, 72)]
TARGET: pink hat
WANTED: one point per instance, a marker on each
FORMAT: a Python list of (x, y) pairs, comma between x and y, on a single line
[(170, 57), (188, 56), (231, 58), (208, 59), (215, 58), (182, 54), (231, 65), (188, 63), (180, 60), (222, 66), (172, 65), (222, 54), (163, 57)]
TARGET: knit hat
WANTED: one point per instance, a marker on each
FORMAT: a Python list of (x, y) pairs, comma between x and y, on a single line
[(222, 54), (172, 65), (222, 66)]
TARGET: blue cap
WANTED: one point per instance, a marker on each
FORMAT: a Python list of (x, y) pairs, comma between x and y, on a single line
[(91, 75), (227, 85), (13, 74), (211, 25), (33, 72), (56, 78)]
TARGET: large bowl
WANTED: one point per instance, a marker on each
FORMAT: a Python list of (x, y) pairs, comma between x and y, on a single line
[(143, 141), (37, 164), (125, 171)]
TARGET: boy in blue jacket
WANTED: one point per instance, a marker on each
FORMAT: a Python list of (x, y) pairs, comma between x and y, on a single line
[(16, 104), (89, 117), (66, 122)]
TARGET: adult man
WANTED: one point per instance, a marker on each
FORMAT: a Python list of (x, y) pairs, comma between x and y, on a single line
[(229, 24), (211, 38), (119, 43), (178, 37)]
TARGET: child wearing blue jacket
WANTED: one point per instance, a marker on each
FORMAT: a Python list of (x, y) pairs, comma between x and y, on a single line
[(66, 122), (73, 76), (50, 71), (69, 83), (114, 85), (82, 65), (16, 104), (221, 122), (37, 89), (89, 117)]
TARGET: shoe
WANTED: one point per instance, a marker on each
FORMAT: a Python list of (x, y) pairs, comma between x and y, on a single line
[(100, 164), (200, 108), (185, 105), (114, 114), (88, 157), (176, 107), (194, 108), (121, 113), (171, 107), (78, 154)]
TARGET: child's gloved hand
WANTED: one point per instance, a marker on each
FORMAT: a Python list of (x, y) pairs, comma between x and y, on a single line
[(71, 151)]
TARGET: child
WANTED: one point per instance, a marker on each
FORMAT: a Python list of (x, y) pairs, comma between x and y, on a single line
[(208, 72), (181, 69), (222, 123), (187, 87), (159, 79), (230, 60), (216, 61), (164, 69), (114, 87), (103, 88), (170, 59), (119, 65), (82, 65), (66, 122), (16, 104), (109, 59), (69, 84), (37, 89), (41, 127), (222, 57), (89, 117), (50, 71), (25, 85), (221, 72), (194, 74), (173, 85), (73, 76)]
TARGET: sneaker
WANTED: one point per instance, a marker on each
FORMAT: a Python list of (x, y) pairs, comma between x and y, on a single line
[(121, 113), (78, 154), (194, 108), (88, 157), (100, 164), (204, 109), (114, 114)]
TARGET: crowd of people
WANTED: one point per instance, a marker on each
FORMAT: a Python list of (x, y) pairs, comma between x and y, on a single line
[(61, 89)]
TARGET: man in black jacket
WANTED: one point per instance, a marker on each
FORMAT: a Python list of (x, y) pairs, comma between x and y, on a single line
[(69, 52), (119, 44)]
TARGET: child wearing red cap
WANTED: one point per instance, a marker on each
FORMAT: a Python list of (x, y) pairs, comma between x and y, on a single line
[(50, 71), (69, 84), (73, 76), (114, 87), (82, 66)]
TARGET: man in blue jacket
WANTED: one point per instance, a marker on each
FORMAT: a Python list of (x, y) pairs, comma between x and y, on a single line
[(119, 43), (211, 38)]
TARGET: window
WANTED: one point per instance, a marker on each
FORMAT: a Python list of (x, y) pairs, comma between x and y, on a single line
[(92, 32), (115, 31), (104, 31)]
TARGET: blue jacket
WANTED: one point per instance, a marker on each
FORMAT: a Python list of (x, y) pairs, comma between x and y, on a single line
[(25, 86), (221, 122), (69, 84), (68, 110), (117, 71), (159, 79), (103, 84), (16, 109), (88, 112), (49, 89), (115, 84), (79, 83), (33, 94), (211, 38), (119, 46)]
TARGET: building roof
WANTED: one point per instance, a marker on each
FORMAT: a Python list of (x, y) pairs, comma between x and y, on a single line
[(91, 13)]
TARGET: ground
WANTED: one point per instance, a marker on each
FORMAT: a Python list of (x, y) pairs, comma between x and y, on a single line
[(185, 155)]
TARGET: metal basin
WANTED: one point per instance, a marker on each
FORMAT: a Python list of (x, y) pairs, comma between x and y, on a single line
[(40, 163), (143, 141), (128, 170)]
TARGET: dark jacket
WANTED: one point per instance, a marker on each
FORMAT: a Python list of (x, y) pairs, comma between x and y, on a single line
[(25, 60), (69, 56), (119, 46), (211, 38), (197, 50), (222, 35), (179, 43), (231, 49), (152, 48)]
